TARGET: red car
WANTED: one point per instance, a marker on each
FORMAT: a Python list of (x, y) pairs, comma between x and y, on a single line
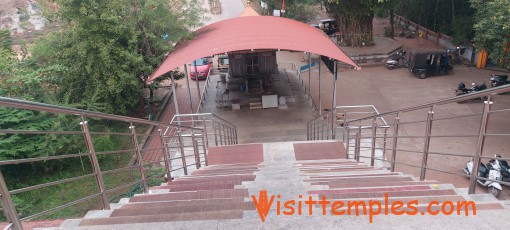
[(203, 65)]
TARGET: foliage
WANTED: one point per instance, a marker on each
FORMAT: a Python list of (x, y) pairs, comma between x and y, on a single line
[(108, 48), (451, 17), (299, 10), (354, 19), (491, 26)]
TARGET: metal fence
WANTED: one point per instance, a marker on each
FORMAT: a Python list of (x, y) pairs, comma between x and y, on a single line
[(177, 149), (415, 131)]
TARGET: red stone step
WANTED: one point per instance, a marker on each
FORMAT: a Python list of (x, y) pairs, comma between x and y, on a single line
[(191, 180), (421, 200), (368, 190), (211, 169), (140, 205), (191, 195), (195, 208), (235, 154), (204, 186), (392, 194), (216, 215), (378, 184), (354, 175), (222, 172), (362, 180), (319, 150), (339, 170)]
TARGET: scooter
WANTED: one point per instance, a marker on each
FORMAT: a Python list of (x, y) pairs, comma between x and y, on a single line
[(499, 80), (394, 60), (488, 172), (504, 168), (461, 90)]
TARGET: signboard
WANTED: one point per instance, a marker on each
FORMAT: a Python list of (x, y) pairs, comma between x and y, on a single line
[(276, 13), (263, 5)]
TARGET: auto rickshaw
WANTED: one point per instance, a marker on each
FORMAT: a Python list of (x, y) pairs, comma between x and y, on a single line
[(429, 62)]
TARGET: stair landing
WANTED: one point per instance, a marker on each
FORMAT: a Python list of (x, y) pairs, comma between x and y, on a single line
[(289, 171)]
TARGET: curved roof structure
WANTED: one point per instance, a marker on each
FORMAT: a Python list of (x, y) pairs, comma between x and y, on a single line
[(251, 33)]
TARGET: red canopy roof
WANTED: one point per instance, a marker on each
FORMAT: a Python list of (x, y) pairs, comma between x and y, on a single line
[(252, 33)]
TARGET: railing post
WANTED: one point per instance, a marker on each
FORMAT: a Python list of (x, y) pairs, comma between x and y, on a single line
[(395, 139), (215, 132), (308, 132), (345, 122), (426, 145), (357, 148), (220, 133), (204, 146), (385, 140), (374, 133), (195, 150), (333, 123), (348, 139), (479, 145), (95, 164), (206, 140), (8, 205), (166, 155), (139, 158), (183, 155)]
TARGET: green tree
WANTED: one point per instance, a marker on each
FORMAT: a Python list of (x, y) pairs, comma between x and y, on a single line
[(492, 27), (108, 46)]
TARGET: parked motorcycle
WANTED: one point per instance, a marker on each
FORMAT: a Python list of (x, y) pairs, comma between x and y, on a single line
[(461, 90), (499, 80), (486, 171), (394, 60), (503, 166)]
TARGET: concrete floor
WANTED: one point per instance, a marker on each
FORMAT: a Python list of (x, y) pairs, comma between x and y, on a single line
[(388, 90)]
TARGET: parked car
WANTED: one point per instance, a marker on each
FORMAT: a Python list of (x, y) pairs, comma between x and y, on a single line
[(429, 62), (223, 63), (201, 68)]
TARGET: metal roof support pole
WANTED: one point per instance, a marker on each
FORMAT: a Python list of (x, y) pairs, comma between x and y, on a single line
[(175, 98), (320, 87), (333, 106), (309, 76), (196, 80), (189, 89)]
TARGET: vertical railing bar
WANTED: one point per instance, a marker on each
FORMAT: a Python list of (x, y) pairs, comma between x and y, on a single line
[(374, 133), (8, 205), (395, 139), (95, 164), (181, 147), (205, 147), (479, 145), (139, 158), (166, 156), (195, 150), (426, 145)]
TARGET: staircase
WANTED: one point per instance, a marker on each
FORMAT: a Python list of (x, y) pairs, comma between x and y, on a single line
[(219, 195)]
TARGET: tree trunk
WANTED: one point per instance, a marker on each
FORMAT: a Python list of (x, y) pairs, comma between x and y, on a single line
[(392, 24), (354, 19)]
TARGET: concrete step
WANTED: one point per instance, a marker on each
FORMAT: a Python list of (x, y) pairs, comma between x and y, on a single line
[(191, 195), (193, 208), (378, 184), (354, 175), (140, 205), (367, 180), (213, 185), (224, 172), (405, 193), (214, 215), (370, 190), (202, 179)]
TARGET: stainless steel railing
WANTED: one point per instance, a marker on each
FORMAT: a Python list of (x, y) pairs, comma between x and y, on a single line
[(87, 121), (417, 131), (204, 92)]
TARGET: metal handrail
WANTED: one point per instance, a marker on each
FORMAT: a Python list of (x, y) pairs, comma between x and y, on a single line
[(22, 104), (5, 198), (487, 95), (496, 90), (204, 92)]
